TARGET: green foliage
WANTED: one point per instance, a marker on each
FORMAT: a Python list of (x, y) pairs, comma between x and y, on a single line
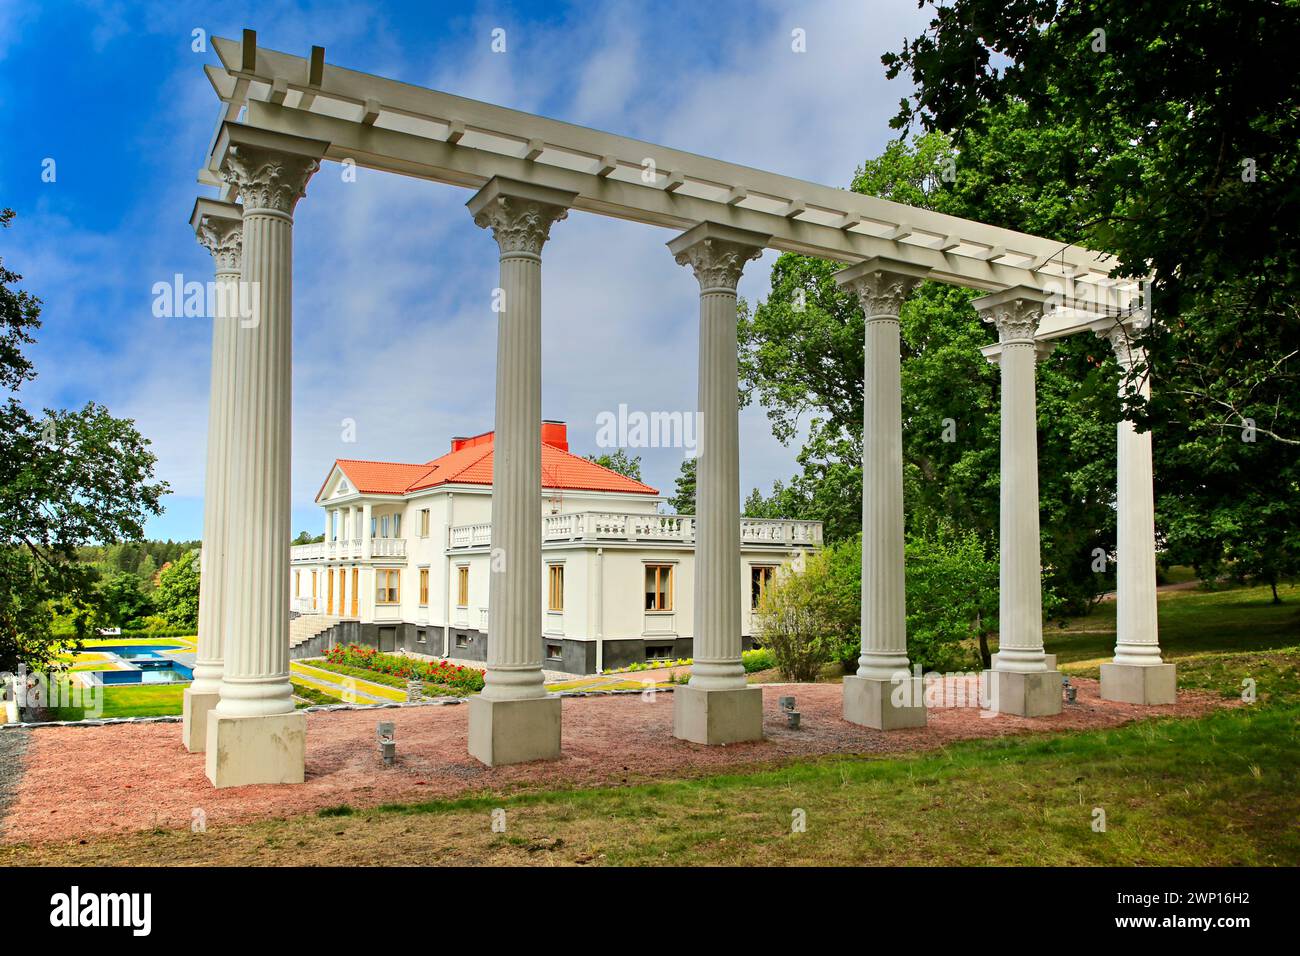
[(178, 591), (802, 617), (306, 537), (683, 500), (757, 659), (952, 601), (620, 461), (122, 599), (67, 479), (1187, 174)]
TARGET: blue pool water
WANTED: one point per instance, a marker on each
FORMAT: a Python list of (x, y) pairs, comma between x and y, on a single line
[(147, 665)]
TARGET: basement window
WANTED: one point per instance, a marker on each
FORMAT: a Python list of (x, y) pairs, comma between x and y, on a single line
[(421, 637), (462, 640), (554, 652), (659, 652)]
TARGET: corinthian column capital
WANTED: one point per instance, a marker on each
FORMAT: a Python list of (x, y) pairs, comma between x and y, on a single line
[(1120, 333), (1015, 313), (224, 238), (267, 179), (881, 285), (717, 254), (519, 214)]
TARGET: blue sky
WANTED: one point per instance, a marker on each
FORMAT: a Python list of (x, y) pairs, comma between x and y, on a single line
[(392, 327)]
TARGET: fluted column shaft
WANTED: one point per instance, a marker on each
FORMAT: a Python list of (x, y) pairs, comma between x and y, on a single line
[(1020, 633), (514, 654), (222, 238), (717, 264), (1137, 630), (884, 605), (256, 677)]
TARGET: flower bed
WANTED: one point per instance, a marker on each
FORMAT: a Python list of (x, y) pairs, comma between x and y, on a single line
[(408, 668)]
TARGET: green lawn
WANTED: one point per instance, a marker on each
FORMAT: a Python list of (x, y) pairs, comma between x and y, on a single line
[(1191, 622), (136, 700)]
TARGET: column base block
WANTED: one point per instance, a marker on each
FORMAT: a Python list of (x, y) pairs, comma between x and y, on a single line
[(874, 702), (271, 748), (1145, 684), (1049, 658), (1032, 694), (728, 716), (514, 731), (194, 719)]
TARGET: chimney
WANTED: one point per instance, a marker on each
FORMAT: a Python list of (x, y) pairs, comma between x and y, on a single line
[(556, 434), (458, 442)]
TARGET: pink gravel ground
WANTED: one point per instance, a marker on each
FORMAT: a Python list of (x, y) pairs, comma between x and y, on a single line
[(98, 781)]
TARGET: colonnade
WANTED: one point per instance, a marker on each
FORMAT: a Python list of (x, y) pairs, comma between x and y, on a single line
[(240, 709)]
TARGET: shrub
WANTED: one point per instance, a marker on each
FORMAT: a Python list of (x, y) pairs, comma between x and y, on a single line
[(801, 618), (759, 659)]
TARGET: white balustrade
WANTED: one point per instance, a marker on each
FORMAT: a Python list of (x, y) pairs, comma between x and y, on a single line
[(626, 526)]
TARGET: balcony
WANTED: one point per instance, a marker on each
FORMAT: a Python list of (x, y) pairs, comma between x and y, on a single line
[(608, 527), (353, 550)]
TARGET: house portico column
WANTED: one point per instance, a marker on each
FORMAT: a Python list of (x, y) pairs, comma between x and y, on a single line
[(882, 286), (717, 706), (254, 733), (219, 227), (513, 719), (365, 529), (1020, 682), (1137, 674)]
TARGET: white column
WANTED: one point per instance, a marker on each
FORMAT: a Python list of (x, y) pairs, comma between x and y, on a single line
[(1137, 674), (717, 706), (255, 735), (882, 286), (1020, 682), (219, 227), (365, 529), (513, 720)]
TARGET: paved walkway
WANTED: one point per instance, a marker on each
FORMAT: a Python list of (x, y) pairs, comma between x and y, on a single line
[(350, 690)]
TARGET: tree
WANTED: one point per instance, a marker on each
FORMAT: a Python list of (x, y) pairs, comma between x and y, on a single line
[(683, 500), (621, 462), (178, 591), (1169, 136), (306, 537), (122, 599), (67, 480)]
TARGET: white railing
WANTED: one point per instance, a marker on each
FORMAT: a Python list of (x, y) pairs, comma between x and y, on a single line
[(307, 552), (388, 547), (470, 535), (306, 605), (622, 526), (483, 619)]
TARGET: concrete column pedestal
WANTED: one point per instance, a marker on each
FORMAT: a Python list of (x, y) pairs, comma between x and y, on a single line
[(269, 748), (1139, 683), (1022, 693), (718, 716), (514, 731), (884, 704)]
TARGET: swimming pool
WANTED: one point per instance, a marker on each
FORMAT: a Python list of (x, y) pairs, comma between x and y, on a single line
[(146, 664)]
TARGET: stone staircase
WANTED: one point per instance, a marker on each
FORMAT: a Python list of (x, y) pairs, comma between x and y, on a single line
[(306, 626)]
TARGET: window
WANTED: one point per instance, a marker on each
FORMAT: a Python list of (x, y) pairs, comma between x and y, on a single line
[(374, 527), (658, 587), (383, 526), (760, 576), (554, 652), (397, 526), (424, 522), (462, 586), (555, 590), (421, 637), (387, 585), (424, 586), (659, 652), (462, 640), (297, 583)]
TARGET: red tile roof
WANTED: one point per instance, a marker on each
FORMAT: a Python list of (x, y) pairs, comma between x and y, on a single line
[(470, 462)]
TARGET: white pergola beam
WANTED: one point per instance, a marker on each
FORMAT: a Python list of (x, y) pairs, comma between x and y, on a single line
[(643, 202)]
